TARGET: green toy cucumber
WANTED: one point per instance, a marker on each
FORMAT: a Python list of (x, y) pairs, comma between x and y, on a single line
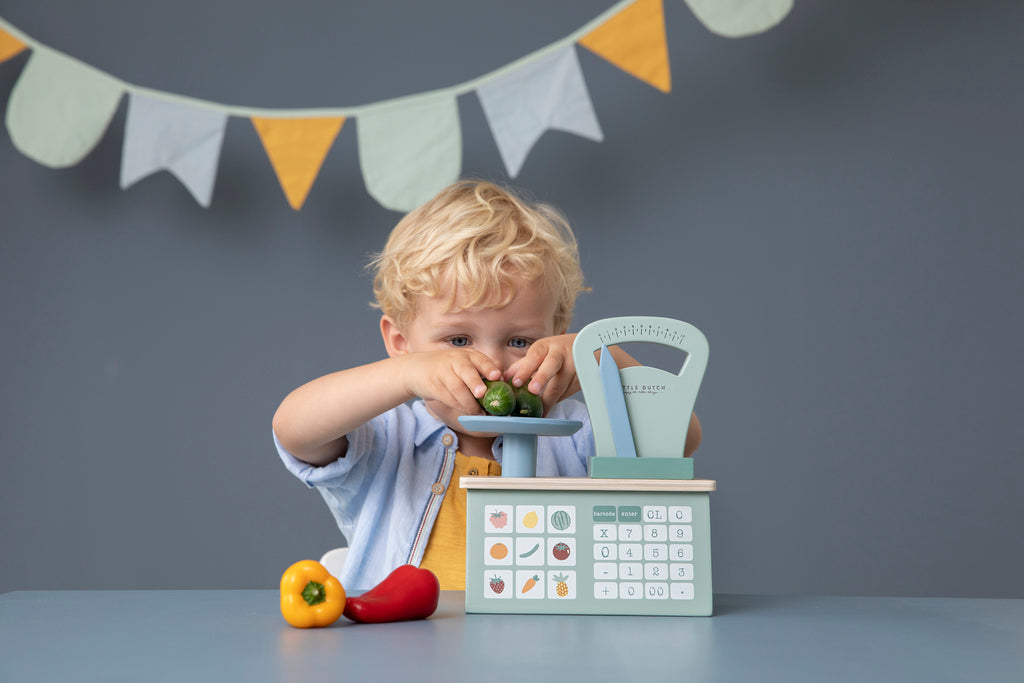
[(499, 399), (527, 404)]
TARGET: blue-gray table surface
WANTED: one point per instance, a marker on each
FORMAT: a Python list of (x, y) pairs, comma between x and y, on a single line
[(240, 635)]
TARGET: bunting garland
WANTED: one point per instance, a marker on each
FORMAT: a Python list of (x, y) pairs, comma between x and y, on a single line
[(409, 148)]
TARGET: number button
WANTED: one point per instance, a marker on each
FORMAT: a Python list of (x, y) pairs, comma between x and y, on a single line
[(681, 552), (656, 591), (631, 571), (657, 532), (655, 552), (630, 532), (680, 533), (656, 571), (681, 572), (631, 551), (605, 551), (631, 591)]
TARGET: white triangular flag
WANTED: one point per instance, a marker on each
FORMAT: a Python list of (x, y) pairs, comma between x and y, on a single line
[(164, 135), (548, 92)]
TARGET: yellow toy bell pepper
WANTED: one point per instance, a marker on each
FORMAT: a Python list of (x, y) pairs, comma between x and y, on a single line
[(310, 596)]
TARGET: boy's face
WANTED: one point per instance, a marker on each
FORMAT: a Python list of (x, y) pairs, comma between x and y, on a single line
[(502, 334)]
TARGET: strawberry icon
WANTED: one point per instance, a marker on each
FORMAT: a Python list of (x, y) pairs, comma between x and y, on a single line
[(499, 519), (497, 584), (560, 551)]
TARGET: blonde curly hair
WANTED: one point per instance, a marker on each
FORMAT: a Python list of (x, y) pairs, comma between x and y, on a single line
[(470, 244)]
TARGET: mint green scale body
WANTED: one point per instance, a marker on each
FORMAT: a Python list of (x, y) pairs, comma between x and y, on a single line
[(632, 538)]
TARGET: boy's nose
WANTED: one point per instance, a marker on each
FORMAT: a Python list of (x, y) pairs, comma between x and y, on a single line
[(500, 355)]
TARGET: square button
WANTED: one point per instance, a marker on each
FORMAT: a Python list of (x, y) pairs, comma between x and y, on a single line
[(605, 532), (631, 591), (631, 571), (606, 590), (606, 571), (680, 514), (655, 552), (631, 552), (655, 514), (656, 591), (656, 571), (679, 571), (529, 551), (530, 519), (680, 552), (682, 591)]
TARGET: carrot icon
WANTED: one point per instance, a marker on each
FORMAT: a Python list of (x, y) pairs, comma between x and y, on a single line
[(530, 583)]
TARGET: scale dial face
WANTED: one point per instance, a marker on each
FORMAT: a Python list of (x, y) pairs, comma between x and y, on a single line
[(640, 328), (658, 403)]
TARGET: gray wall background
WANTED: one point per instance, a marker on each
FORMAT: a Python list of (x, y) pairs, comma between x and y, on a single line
[(835, 203)]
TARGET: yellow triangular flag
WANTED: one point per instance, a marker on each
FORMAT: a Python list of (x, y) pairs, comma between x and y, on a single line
[(9, 45), (297, 148), (634, 41)]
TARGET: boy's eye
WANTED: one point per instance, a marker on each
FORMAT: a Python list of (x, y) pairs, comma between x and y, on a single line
[(519, 343), (458, 341)]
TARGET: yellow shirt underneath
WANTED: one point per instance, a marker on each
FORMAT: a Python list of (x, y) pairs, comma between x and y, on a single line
[(445, 554)]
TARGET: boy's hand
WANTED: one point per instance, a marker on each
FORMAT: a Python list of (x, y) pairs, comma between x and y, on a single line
[(451, 376), (549, 369)]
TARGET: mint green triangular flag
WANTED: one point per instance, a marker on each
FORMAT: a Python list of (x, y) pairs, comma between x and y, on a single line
[(60, 108), (410, 149)]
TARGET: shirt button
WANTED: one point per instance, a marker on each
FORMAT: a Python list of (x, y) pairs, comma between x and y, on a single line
[(473, 471), (447, 439), (437, 488)]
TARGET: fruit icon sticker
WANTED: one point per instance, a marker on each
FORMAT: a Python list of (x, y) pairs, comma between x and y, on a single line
[(529, 584), (562, 518), (498, 584), (530, 551), (498, 550), (562, 584), (561, 551), (497, 519), (530, 519)]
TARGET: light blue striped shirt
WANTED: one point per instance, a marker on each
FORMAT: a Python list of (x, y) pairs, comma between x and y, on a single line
[(386, 492)]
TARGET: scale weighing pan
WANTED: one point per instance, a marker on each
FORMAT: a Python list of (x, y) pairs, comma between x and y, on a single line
[(519, 449)]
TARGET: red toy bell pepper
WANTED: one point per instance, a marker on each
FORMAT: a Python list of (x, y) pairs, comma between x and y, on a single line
[(406, 593)]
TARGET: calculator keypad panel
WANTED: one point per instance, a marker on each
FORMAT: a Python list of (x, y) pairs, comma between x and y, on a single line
[(608, 552)]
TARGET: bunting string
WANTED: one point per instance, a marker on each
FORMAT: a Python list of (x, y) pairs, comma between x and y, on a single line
[(409, 147)]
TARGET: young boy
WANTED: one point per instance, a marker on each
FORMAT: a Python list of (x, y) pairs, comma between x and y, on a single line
[(476, 283)]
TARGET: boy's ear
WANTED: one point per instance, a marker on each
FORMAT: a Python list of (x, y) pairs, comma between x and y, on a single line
[(394, 340)]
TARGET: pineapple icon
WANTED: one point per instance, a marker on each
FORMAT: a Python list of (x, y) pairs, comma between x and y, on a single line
[(561, 587)]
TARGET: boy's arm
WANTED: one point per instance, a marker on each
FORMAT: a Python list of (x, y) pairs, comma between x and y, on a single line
[(312, 421)]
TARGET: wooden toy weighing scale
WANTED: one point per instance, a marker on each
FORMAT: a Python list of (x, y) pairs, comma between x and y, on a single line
[(633, 537)]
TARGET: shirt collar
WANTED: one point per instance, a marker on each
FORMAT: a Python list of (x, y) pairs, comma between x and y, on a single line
[(426, 424)]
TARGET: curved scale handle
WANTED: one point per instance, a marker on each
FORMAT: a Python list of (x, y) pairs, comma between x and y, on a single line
[(658, 403)]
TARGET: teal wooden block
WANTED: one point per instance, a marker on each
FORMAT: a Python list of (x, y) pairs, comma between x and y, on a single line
[(640, 468)]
